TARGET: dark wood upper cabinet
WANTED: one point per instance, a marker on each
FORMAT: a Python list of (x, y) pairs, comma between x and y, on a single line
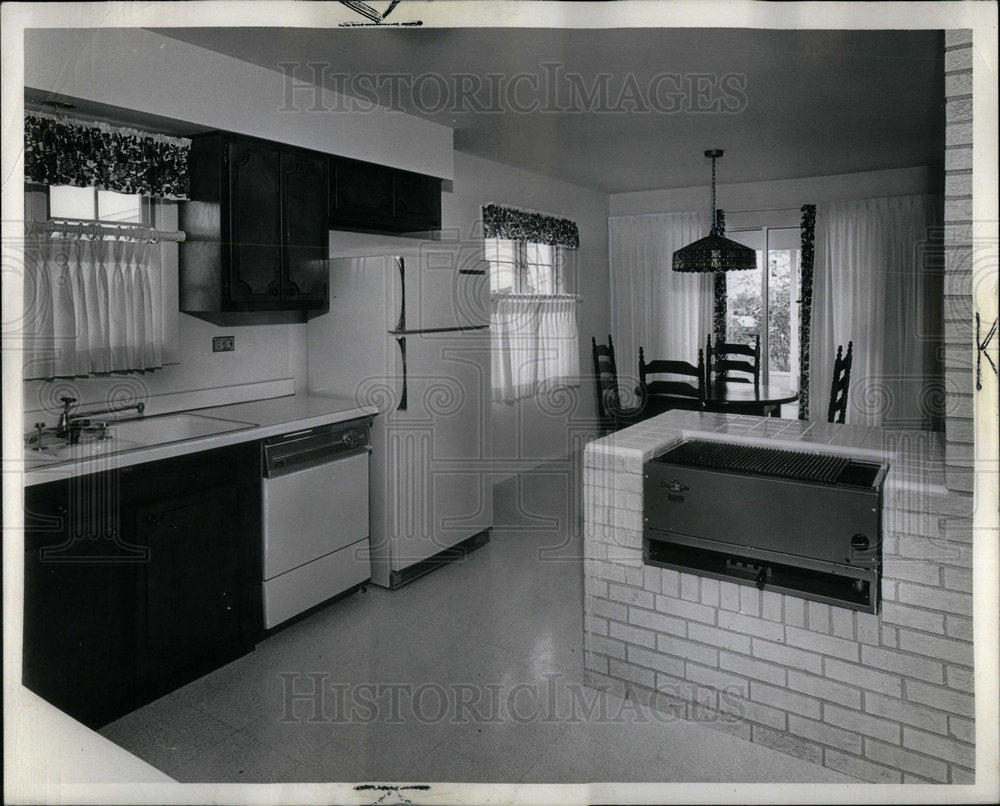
[(372, 197), (259, 218), (416, 200), (361, 192), (304, 189), (257, 227), (255, 251)]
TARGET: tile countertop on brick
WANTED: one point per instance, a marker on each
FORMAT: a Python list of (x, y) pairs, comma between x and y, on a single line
[(916, 458), (886, 697), (262, 418)]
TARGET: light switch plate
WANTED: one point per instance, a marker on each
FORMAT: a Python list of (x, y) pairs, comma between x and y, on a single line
[(223, 344)]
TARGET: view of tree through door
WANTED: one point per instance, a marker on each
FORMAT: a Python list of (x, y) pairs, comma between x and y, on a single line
[(777, 321)]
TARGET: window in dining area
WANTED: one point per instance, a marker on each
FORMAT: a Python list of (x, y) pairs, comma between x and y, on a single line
[(535, 338), (767, 303)]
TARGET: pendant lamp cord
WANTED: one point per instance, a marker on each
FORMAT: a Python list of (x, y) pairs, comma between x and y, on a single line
[(715, 212)]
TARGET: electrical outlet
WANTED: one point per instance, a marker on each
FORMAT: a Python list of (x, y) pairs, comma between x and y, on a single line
[(223, 344)]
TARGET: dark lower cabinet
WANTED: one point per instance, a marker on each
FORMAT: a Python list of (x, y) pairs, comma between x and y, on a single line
[(188, 592), (77, 605), (140, 580)]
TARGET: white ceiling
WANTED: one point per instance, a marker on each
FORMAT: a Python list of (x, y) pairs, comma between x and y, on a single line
[(815, 102)]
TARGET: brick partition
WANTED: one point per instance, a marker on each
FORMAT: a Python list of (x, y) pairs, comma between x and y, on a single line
[(885, 698)]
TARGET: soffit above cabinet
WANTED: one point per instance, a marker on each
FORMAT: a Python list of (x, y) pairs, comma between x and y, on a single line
[(146, 72)]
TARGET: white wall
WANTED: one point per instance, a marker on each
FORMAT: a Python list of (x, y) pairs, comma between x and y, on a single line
[(787, 194), (525, 434)]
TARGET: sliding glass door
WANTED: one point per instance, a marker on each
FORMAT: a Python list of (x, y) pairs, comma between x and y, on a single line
[(766, 303)]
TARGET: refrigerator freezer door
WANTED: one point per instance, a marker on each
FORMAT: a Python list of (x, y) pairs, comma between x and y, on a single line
[(445, 289), (431, 479)]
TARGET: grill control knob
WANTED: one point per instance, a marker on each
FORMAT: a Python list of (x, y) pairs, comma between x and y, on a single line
[(860, 542)]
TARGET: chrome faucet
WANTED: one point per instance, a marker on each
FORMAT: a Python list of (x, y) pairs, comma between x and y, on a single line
[(70, 426), (65, 420)]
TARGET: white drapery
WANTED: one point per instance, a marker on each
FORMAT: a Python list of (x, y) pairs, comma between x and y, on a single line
[(536, 344), (667, 313), (88, 307), (878, 283)]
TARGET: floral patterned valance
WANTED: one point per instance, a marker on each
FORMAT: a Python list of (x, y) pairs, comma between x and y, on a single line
[(526, 225), (69, 152)]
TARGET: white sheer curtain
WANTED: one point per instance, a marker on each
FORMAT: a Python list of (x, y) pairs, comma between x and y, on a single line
[(88, 307), (877, 283), (667, 313), (536, 344)]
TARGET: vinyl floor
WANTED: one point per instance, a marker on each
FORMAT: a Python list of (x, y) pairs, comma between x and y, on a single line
[(473, 673)]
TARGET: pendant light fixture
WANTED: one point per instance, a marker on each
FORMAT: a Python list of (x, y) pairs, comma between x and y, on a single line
[(713, 252)]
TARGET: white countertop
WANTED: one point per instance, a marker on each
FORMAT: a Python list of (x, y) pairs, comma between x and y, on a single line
[(263, 418)]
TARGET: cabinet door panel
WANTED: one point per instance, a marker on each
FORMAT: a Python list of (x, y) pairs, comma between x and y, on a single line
[(304, 196), (417, 200), (77, 603), (362, 192), (189, 590), (255, 224)]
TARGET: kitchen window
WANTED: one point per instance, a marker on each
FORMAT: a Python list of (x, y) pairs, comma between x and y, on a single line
[(67, 202), (100, 288), (533, 321)]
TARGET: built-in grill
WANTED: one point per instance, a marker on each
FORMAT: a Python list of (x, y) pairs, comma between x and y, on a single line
[(796, 522)]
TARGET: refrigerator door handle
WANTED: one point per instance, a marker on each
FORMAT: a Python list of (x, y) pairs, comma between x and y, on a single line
[(401, 341), (401, 321)]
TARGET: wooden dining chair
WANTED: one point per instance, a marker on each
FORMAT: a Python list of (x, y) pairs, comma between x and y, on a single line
[(611, 414), (663, 394), (717, 360), (837, 412)]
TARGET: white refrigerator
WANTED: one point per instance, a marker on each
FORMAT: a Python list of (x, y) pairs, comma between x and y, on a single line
[(410, 335)]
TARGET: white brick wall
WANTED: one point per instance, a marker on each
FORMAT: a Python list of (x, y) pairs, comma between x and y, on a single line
[(958, 317), (886, 698)]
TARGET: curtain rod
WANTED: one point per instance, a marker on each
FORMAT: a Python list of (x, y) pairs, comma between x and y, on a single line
[(496, 295), (694, 212), (97, 231)]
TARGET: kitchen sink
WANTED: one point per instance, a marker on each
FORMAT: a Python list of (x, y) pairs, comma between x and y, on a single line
[(132, 434), (84, 449), (173, 428)]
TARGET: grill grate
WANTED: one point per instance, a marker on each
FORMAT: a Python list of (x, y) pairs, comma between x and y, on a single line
[(822, 468)]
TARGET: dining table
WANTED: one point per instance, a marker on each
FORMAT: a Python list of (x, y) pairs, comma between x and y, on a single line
[(735, 397)]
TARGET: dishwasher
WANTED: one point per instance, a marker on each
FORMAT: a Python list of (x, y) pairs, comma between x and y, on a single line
[(315, 501)]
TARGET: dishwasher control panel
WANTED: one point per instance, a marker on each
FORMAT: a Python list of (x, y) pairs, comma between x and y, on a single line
[(309, 447)]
